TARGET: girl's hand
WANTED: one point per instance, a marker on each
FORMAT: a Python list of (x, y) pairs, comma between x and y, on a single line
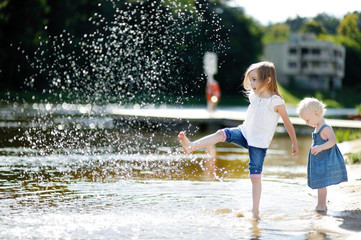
[(316, 149), (328, 135), (294, 150)]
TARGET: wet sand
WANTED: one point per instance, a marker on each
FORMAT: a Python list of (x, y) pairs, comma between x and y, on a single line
[(346, 197)]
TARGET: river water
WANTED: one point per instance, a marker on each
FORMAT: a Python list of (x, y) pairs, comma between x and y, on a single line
[(70, 172)]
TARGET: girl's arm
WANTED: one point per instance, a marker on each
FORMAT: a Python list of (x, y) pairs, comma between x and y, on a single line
[(328, 134), (281, 110)]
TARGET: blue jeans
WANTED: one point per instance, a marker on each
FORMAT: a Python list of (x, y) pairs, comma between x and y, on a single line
[(256, 155)]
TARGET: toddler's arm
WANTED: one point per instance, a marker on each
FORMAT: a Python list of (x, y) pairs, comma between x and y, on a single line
[(281, 109), (328, 134)]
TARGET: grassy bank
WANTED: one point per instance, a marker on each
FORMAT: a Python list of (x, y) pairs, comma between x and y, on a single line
[(343, 98), (353, 158), (344, 135)]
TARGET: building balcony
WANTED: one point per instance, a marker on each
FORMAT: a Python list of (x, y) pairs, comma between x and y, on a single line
[(318, 71)]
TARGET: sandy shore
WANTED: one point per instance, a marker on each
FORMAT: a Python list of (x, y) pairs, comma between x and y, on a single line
[(350, 146), (351, 190), (346, 197)]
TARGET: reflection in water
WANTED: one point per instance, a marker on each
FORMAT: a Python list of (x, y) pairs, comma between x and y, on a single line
[(256, 231), (210, 163), (317, 236)]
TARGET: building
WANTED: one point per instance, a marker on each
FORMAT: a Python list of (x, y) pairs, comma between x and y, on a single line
[(307, 63)]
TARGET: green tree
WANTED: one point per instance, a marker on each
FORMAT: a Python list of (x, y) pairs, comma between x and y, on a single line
[(313, 26), (350, 37), (296, 23), (277, 33), (54, 31), (21, 28), (244, 48), (352, 62), (358, 20), (348, 27), (328, 22), (72, 16)]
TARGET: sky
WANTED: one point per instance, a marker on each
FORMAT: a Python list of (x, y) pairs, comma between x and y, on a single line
[(275, 11)]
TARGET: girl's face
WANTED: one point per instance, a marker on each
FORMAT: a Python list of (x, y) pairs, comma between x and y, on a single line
[(254, 81), (311, 118)]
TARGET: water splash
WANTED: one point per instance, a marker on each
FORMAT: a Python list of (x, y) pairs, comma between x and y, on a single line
[(138, 54)]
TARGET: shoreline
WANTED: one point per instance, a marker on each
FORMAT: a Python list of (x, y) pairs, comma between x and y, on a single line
[(353, 187), (344, 204), (344, 199)]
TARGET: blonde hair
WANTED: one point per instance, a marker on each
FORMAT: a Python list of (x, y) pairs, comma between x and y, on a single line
[(265, 70), (311, 105)]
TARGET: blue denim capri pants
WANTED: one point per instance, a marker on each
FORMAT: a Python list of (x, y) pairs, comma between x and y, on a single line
[(256, 155)]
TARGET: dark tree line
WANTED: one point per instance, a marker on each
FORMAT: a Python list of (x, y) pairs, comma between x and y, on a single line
[(113, 47), (39, 40)]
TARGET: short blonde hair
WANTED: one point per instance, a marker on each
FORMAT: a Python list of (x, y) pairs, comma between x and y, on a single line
[(311, 105)]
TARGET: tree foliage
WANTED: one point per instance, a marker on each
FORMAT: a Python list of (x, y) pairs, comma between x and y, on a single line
[(57, 28), (350, 37), (313, 26), (277, 33), (328, 22), (296, 23), (32, 29), (21, 25), (244, 48), (348, 27)]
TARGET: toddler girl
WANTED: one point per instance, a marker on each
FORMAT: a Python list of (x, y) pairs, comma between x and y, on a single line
[(326, 165), (256, 132)]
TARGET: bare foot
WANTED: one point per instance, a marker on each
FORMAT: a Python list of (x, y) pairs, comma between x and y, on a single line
[(184, 141), (321, 209), (256, 215)]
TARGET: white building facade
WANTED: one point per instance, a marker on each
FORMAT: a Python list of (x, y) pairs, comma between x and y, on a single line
[(307, 63)]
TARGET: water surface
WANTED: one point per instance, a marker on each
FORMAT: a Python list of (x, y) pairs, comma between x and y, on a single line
[(70, 172)]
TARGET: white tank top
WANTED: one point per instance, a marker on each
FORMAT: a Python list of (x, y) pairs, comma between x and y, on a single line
[(261, 120)]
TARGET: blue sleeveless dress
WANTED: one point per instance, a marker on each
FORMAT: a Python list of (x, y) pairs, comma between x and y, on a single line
[(327, 167)]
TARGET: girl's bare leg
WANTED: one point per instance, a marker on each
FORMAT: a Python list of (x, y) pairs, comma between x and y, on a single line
[(206, 141), (256, 196), (322, 195)]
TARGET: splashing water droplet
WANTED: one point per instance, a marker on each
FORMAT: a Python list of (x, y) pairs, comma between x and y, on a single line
[(144, 54)]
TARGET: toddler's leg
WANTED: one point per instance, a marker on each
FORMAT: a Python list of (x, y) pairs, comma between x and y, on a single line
[(256, 195), (322, 196), (206, 141)]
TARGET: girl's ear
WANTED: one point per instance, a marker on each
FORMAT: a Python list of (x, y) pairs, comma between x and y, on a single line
[(269, 79)]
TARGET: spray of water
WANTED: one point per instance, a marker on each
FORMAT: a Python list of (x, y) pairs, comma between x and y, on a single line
[(137, 56)]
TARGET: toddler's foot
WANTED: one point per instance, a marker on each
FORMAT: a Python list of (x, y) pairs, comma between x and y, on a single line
[(184, 141), (321, 209)]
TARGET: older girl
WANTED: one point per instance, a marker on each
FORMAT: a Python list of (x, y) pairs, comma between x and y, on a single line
[(256, 132)]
